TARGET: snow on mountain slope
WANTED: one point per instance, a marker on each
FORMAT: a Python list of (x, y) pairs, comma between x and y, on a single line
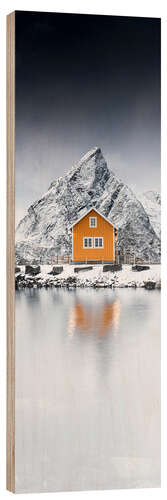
[(151, 201), (44, 231)]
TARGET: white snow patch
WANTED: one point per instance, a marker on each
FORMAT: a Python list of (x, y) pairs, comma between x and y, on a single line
[(120, 278)]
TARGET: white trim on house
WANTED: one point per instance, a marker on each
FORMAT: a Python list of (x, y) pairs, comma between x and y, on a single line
[(98, 238), (87, 238), (114, 243), (72, 245), (93, 242), (86, 213), (94, 225)]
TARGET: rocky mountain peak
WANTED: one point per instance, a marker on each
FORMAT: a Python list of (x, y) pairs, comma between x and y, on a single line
[(91, 170), (45, 229), (93, 153), (151, 201), (153, 196)]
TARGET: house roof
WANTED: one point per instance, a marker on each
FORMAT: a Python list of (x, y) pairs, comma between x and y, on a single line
[(97, 211)]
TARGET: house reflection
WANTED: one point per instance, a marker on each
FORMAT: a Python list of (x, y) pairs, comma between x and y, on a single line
[(99, 321)]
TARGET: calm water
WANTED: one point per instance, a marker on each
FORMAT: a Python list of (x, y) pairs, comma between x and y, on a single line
[(87, 389)]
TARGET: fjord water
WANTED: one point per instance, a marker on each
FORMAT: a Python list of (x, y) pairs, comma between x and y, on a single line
[(87, 389)]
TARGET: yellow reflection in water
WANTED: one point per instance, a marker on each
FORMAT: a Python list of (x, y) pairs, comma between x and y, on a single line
[(109, 318), (100, 322)]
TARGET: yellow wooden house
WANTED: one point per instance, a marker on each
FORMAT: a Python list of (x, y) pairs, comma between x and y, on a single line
[(94, 239)]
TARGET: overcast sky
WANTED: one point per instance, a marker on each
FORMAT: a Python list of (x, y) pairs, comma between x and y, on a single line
[(85, 81)]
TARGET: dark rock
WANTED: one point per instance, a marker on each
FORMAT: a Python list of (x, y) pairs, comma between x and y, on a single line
[(149, 285), (140, 267), (17, 269), (71, 279), (78, 269), (21, 261), (19, 277), (99, 285), (56, 270), (32, 270), (112, 267)]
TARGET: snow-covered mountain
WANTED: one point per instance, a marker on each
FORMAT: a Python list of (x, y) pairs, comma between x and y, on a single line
[(151, 201), (44, 231)]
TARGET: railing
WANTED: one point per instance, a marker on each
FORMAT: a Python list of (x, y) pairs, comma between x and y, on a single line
[(61, 259), (119, 259), (126, 259)]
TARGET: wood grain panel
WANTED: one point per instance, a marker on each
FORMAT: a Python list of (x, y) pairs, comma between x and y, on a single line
[(10, 252)]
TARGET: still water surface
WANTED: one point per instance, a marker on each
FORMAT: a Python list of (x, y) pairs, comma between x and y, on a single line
[(87, 389)]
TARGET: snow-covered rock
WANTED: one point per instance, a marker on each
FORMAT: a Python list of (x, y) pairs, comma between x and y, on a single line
[(151, 201), (94, 277), (44, 231)]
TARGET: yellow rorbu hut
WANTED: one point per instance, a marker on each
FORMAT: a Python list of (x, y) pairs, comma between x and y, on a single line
[(94, 239)]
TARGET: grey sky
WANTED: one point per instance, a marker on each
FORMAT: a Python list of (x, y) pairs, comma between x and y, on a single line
[(85, 81)]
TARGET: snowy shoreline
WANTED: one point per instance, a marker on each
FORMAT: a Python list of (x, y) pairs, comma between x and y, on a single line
[(126, 278)]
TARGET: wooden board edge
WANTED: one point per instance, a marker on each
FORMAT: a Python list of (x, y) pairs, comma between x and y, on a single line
[(10, 66)]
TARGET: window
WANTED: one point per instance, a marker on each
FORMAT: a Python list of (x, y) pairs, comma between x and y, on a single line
[(93, 242), (98, 242), (87, 242), (92, 221)]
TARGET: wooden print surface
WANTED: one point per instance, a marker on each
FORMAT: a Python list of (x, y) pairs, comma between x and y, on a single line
[(84, 252), (10, 252)]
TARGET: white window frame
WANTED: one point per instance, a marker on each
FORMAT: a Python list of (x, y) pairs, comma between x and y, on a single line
[(87, 238), (90, 218), (98, 238)]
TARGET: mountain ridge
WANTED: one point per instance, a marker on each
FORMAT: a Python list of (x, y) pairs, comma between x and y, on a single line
[(151, 201), (45, 229)]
